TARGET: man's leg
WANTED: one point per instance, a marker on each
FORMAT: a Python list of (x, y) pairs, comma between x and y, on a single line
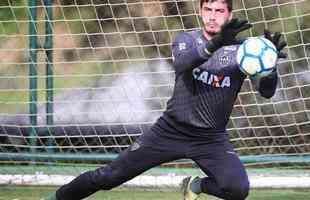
[(132, 162), (227, 178)]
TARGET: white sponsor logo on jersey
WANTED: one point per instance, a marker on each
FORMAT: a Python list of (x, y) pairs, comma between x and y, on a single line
[(211, 79), (135, 146), (224, 60), (182, 46), (199, 41), (230, 48)]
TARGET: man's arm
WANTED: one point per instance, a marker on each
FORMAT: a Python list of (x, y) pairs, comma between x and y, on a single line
[(186, 54), (266, 86)]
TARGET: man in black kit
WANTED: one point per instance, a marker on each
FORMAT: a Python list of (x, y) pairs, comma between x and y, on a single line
[(207, 83)]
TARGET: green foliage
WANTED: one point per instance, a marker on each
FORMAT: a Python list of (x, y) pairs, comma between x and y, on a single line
[(10, 14), (12, 10)]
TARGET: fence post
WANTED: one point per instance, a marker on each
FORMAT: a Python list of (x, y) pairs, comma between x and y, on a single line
[(33, 82), (49, 82)]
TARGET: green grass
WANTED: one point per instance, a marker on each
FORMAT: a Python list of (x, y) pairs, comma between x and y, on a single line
[(35, 193)]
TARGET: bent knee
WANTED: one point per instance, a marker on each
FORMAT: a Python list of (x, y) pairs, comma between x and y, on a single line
[(240, 194), (237, 192)]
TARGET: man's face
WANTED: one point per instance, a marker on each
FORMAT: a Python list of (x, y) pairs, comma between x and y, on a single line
[(214, 15)]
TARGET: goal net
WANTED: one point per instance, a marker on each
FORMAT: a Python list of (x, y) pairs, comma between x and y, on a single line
[(81, 80)]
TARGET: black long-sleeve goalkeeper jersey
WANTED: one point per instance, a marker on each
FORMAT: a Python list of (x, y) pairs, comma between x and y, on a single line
[(205, 88)]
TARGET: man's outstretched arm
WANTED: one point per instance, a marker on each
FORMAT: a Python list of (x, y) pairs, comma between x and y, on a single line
[(267, 85), (188, 54)]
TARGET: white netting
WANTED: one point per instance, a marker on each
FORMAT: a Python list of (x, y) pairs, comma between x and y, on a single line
[(112, 76)]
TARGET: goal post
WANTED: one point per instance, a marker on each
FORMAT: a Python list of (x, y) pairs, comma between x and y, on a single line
[(83, 79)]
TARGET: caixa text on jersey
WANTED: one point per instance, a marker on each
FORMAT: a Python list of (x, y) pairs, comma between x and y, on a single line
[(211, 79)]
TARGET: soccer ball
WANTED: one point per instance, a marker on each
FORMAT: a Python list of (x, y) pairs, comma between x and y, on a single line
[(257, 56)]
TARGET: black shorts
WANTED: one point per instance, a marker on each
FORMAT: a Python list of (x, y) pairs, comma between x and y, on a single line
[(215, 157)]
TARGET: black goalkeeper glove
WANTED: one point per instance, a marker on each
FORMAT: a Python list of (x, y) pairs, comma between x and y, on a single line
[(227, 35), (275, 39)]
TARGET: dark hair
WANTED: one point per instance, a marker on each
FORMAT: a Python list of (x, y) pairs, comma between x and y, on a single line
[(228, 2)]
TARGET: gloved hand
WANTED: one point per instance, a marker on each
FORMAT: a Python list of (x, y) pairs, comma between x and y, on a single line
[(227, 35), (275, 39)]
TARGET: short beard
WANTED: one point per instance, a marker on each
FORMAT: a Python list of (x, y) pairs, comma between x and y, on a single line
[(211, 33)]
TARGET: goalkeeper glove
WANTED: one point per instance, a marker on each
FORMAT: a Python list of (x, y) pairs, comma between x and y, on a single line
[(275, 39), (227, 35)]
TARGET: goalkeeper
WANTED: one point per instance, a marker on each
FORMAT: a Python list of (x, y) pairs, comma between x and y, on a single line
[(207, 82)]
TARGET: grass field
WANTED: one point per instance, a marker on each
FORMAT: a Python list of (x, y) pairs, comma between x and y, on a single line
[(36, 193)]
